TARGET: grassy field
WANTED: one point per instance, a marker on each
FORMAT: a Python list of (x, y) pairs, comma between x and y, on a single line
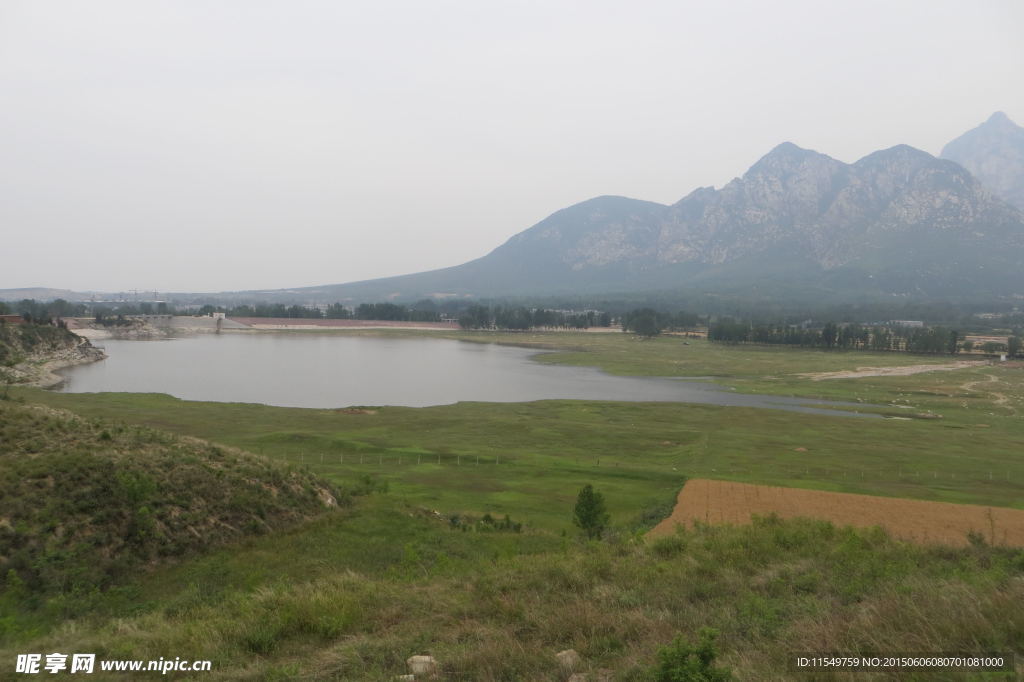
[(956, 439), (352, 594)]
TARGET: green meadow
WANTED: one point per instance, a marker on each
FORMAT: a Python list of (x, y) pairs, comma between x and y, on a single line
[(408, 565), (950, 436)]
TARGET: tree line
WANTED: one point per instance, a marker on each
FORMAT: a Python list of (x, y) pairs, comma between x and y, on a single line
[(424, 311), (43, 312), (650, 322), (928, 340), (523, 318)]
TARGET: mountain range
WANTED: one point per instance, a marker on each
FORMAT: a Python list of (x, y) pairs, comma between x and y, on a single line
[(798, 224)]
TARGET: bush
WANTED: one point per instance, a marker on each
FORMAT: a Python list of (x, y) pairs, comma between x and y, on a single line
[(683, 662), (590, 513)]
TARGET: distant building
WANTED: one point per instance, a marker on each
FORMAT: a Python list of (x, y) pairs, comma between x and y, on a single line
[(12, 319), (155, 320), (907, 323), (218, 316)]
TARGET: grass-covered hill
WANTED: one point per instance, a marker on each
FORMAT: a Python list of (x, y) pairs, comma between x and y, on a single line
[(83, 503)]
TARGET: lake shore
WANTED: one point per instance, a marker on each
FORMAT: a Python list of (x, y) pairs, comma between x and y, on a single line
[(40, 370)]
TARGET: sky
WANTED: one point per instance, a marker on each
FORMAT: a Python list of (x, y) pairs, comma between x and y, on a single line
[(214, 145)]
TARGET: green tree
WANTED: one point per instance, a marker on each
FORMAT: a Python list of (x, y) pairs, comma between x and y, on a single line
[(644, 322), (951, 342), (684, 662), (991, 347), (476, 317), (590, 513), (829, 334), (1013, 346)]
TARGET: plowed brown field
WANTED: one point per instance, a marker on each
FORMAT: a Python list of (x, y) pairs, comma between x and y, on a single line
[(924, 522)]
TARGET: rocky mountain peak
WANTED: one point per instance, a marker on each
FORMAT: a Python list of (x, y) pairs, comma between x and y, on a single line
[(788, 158), (900, 154), (1000, 120), (994, 153)]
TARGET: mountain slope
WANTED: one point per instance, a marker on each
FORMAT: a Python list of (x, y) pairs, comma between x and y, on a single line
[(994, 153)]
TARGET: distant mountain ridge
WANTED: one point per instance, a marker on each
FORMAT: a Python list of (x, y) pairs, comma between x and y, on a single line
[(798, 223), (898, 221)]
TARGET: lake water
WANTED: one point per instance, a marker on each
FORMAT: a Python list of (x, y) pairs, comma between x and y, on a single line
[(328, 371)]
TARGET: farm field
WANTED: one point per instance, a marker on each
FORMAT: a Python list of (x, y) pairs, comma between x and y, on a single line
[(718, 502)]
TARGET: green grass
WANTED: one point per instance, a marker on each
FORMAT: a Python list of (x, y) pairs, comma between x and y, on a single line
[(533, 457), (352, 594), (627, 354), (529, 459), (86, 504)]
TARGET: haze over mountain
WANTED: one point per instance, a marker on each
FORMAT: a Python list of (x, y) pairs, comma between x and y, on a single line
[(898, 221), (797, 225), (994, 153)]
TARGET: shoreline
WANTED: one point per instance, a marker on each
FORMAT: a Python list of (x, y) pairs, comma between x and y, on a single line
[(41, 372)]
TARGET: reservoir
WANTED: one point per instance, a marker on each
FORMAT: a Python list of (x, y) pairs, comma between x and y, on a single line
[(330, 371)]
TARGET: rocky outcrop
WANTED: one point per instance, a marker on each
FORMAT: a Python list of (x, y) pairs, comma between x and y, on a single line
[(33, 353), (422, 667)]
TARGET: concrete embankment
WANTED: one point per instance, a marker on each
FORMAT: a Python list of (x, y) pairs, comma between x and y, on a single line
[(297, 323)]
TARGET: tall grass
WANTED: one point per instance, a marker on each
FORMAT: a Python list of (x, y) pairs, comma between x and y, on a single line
[(771, 589)]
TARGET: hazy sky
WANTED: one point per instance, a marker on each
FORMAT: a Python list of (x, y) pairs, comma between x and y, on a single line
[(202, 145)]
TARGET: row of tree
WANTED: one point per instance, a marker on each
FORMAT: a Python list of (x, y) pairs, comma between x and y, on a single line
[(522, 318), (420, 312), (932, 340), (43, 312)]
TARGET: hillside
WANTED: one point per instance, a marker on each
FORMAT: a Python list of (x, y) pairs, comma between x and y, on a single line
[(84, 503)]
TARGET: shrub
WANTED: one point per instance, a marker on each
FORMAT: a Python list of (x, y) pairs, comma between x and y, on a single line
[(681, 661), (590, 513)]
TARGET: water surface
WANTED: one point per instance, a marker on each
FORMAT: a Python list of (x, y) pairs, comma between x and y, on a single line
[(327, 371)]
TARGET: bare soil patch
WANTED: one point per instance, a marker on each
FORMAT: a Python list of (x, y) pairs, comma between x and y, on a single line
[(919, 521), (905, 370)]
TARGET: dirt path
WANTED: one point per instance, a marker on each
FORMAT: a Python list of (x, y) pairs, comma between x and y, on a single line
[(1000, 398), (919, 521), (905, 370)]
